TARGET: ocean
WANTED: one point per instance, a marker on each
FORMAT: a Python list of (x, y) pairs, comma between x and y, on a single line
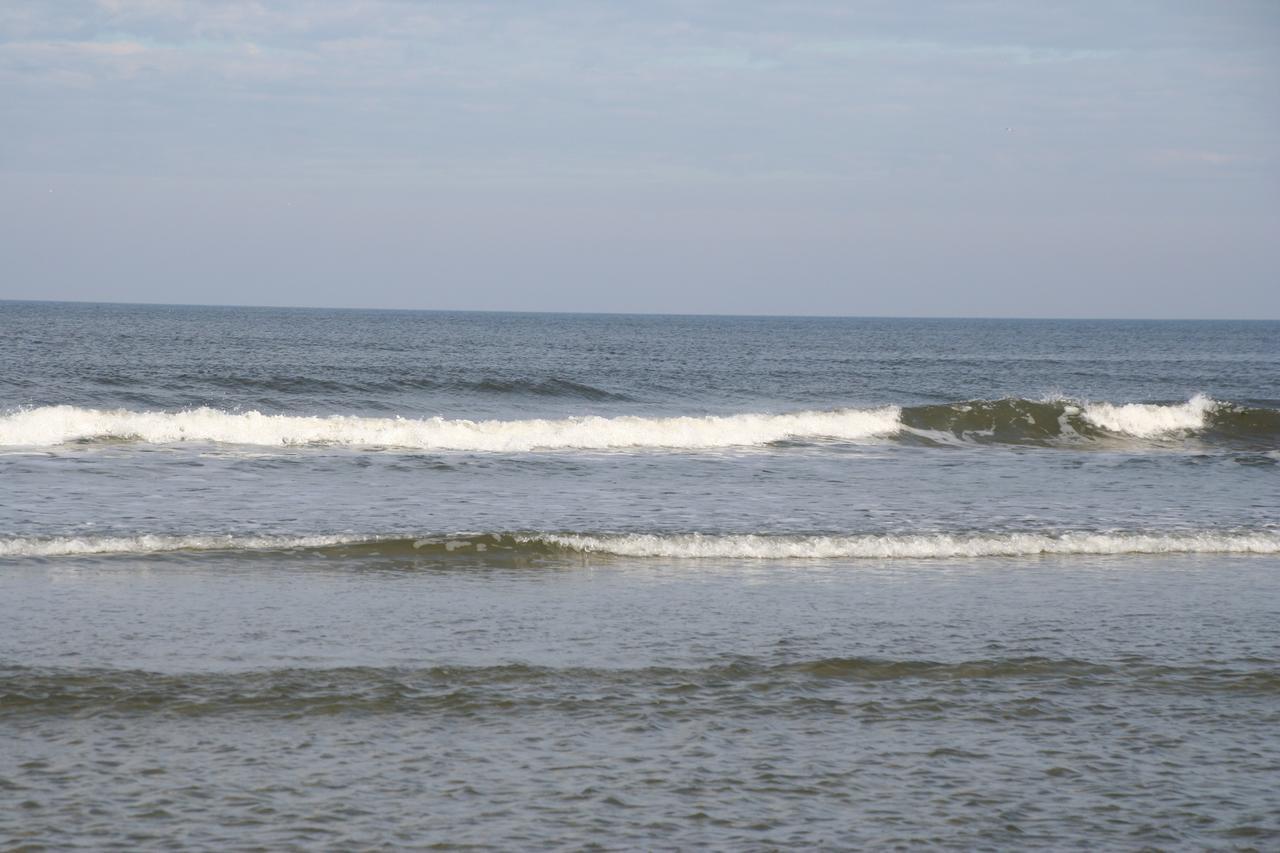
[(335, 579)]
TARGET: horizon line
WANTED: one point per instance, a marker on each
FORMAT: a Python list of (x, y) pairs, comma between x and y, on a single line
[(708, 314)]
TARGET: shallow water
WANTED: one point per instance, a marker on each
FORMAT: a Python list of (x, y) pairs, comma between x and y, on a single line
[(306, 699), (907, 616)]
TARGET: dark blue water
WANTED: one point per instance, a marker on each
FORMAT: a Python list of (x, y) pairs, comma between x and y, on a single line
[(283, 577)]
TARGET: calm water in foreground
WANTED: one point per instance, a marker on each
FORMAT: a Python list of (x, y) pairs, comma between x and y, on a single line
[(277, 579)]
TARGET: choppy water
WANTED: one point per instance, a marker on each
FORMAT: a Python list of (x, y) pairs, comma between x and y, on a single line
[(276, 578)]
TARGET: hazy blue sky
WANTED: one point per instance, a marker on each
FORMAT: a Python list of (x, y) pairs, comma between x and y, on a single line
[(812, 157)]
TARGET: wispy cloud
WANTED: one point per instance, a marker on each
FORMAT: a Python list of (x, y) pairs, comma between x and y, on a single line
[(742, 88)]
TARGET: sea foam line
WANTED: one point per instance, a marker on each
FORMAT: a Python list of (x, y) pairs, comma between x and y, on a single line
[(686, 546), (916, 546), (148, 543), (54, 425)]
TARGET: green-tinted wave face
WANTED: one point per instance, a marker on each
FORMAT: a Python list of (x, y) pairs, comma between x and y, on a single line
[(1066, 422), (1254, 428), (993, 421)]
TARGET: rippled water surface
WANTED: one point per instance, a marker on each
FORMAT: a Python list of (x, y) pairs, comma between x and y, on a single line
[(278, 579)]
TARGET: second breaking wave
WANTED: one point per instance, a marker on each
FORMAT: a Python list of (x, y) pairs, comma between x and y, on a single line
[(679, 546)]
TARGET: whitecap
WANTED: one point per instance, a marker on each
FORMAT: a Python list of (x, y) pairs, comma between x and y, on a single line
[(54, 425)]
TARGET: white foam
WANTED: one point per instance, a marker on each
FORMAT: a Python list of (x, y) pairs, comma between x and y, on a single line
[(1148, 420), (64, 546), (694, 546), (53, 425), (918, 546)]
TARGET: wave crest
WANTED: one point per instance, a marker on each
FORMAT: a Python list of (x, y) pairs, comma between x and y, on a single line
[(53, 425), (679, 546), (1060, 422), (1049, 423), (1147, 420), (916, 546)]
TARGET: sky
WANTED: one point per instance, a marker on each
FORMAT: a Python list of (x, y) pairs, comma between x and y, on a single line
[(988, 158)]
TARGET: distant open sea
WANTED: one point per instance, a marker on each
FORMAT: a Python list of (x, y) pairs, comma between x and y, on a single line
[(316, 579)]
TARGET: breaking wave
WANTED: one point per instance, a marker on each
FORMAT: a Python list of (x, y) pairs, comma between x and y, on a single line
[(67, 546), (681, 546), (53, 425), (1145, 420), (1009, 421), (1074, 423), (915, 546)]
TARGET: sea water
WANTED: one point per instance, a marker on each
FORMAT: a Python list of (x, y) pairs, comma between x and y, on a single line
[(276, 578)]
